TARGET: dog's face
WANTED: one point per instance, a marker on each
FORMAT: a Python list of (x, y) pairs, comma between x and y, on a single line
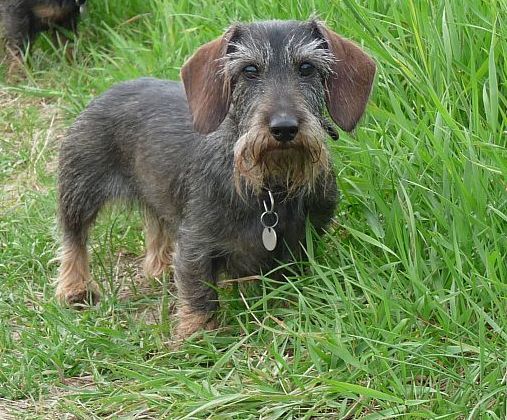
[(275, 79)]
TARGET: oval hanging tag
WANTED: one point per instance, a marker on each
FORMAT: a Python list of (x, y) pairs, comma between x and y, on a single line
[(269, 238)]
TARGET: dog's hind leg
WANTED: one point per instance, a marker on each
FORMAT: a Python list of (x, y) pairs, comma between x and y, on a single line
[(87, 180), (78, 210), (158, 245), (74, 283)]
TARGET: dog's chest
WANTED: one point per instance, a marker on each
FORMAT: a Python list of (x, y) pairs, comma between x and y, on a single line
[(247, 252)]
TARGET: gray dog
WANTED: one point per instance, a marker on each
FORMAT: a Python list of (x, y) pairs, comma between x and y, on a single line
[(227, 166)]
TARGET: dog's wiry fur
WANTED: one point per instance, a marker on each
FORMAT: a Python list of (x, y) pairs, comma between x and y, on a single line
[(202, 175), (22, 20)]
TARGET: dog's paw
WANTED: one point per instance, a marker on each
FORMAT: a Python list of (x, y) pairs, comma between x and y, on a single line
[(77, 297), (154, 267), (189, 322)]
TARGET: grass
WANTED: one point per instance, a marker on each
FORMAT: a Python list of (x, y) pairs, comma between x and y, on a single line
[(401, 308)]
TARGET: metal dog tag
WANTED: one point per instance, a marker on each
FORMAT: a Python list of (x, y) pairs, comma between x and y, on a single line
[(269, 238)]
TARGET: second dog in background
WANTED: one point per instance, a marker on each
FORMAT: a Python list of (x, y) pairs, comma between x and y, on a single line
[(21, 21)]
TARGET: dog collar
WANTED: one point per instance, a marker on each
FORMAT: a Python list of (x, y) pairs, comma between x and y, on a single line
[(269, 219)]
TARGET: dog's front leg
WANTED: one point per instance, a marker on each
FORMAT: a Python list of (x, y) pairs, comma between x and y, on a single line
[(60, 37), (195, 277), (16, 30)]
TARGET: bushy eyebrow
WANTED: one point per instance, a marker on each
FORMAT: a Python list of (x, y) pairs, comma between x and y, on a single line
[(296, 51), (314, 51), (246, 52)]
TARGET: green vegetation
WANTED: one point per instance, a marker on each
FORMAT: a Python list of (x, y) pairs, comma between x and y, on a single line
[(401, 310)]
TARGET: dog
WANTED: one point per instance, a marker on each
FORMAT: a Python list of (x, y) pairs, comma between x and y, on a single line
[(227, 166), (23, 20)]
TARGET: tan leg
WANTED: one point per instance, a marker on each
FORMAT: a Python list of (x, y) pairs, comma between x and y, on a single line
[(74, 283), (15, 66), (190, 321), (158, 247)]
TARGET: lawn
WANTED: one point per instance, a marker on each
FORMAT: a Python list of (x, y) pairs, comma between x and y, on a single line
[(401, 308)]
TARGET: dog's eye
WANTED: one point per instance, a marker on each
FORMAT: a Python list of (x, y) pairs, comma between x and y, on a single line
[(251, 71), (306, 69)]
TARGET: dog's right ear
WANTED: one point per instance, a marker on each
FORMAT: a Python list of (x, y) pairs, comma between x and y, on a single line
[(206, 85)]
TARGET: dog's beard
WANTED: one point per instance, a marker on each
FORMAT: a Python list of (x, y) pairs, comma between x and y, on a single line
[(260, 161)]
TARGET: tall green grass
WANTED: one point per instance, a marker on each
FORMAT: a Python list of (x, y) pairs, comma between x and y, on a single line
[(400, 310)]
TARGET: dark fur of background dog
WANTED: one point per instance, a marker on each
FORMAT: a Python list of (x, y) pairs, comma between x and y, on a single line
[(22, 20)]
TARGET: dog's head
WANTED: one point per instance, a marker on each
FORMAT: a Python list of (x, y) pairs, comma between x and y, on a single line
[(275, 79)]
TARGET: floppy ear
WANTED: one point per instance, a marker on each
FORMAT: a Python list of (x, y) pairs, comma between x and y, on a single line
[(349, 84), (206, 86)]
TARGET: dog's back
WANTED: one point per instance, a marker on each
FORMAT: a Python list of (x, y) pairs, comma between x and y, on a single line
[(133, 112)]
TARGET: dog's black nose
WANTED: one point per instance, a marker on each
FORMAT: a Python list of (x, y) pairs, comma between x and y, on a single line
[(284, 129)]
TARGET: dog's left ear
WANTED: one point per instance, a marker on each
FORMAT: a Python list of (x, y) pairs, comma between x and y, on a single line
[(349, 84), (206, 86)]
